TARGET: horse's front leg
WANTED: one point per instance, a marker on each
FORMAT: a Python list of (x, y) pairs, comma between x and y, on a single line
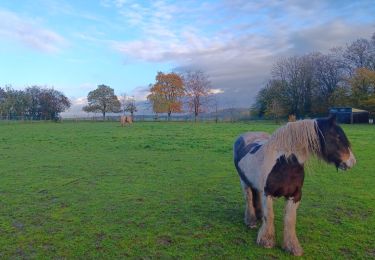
[(266, 235), (291, 243)]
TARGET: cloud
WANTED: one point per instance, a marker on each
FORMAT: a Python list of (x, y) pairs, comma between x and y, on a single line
[(29, 33), (79, 101), (75, 109), (328, 35), (236, 42), (140, 93), (215, 91)]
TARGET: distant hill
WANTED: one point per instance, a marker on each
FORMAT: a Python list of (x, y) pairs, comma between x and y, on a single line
[(228, 114)]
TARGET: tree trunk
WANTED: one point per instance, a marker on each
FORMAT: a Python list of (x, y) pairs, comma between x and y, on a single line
[(169, 115), (103, 115)]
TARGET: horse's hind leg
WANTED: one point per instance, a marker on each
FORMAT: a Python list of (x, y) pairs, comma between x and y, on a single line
[(257, 202), (266, 235), (291, 243), (250, 218)]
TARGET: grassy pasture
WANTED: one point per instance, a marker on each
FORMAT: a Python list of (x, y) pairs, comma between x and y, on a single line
[(164, 190)]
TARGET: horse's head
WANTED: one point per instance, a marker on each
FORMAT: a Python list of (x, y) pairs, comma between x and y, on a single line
[(335, 146)]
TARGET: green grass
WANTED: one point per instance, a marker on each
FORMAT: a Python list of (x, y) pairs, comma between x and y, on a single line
[(164, 190)]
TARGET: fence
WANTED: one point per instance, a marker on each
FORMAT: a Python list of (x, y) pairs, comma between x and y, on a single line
[(138, 118), (148, 118), (160, 118)]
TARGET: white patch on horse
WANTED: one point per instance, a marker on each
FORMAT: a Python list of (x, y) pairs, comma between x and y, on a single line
[(290, 240), (266, 235), (351, 161)]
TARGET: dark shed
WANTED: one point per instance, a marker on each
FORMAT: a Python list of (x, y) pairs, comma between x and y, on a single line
[(349, 115)]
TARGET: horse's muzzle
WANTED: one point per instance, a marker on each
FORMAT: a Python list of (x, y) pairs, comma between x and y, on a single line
[(348, 163)]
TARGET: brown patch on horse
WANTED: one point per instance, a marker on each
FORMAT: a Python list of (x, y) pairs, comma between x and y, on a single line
[(286, 179), (345, 155)]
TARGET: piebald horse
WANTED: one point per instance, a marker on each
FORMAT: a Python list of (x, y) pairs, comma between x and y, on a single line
[(273, 166)]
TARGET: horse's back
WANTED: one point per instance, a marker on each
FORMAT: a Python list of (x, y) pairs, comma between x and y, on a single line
[(246, 141), (252, 137)]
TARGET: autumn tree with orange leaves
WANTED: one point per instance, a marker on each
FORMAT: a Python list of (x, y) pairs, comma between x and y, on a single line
[(165, 95)]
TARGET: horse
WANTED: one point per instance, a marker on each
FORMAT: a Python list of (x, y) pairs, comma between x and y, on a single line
[(126, 120), (272, 166)]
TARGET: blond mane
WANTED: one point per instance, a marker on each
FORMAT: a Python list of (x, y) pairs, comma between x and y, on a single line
[(299, 138)]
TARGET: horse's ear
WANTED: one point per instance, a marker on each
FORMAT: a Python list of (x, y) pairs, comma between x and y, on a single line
[(332, 119)]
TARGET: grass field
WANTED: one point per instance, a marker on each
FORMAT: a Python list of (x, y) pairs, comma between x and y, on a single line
[(164, 190)]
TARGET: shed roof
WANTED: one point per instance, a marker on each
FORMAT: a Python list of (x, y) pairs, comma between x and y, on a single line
[(358, 110)]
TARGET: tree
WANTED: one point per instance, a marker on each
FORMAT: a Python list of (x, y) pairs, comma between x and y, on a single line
[(276, 110), (33, 95), (14, 103), (123, 99), (328, 74), (360, 54), (165, 95), (363, 89), (130, 106), (102, 99), (197, 88), (341, 97), (157, 102), (310, 84), (2, 101), (52, 102), (34, 103), (296, 73), (272, 100)]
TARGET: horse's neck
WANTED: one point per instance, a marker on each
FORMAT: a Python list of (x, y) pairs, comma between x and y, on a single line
[(297, 138)]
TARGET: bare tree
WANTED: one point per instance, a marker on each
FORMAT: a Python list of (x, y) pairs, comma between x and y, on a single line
[(360, 54), (123, 99), (328, 74), (130, 106), (296, 74), (197, 88)]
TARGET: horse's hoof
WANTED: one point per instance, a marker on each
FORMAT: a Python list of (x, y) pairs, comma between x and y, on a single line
[(295, 250), (266, 242), (251, 223)]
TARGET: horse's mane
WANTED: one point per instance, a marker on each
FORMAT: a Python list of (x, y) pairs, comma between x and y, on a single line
[(296, 138)]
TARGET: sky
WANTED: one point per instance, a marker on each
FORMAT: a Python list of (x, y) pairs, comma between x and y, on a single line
[(75, 45)]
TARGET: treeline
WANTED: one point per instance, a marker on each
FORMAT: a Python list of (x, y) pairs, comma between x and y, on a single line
[(36, 103), (310, 84)]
